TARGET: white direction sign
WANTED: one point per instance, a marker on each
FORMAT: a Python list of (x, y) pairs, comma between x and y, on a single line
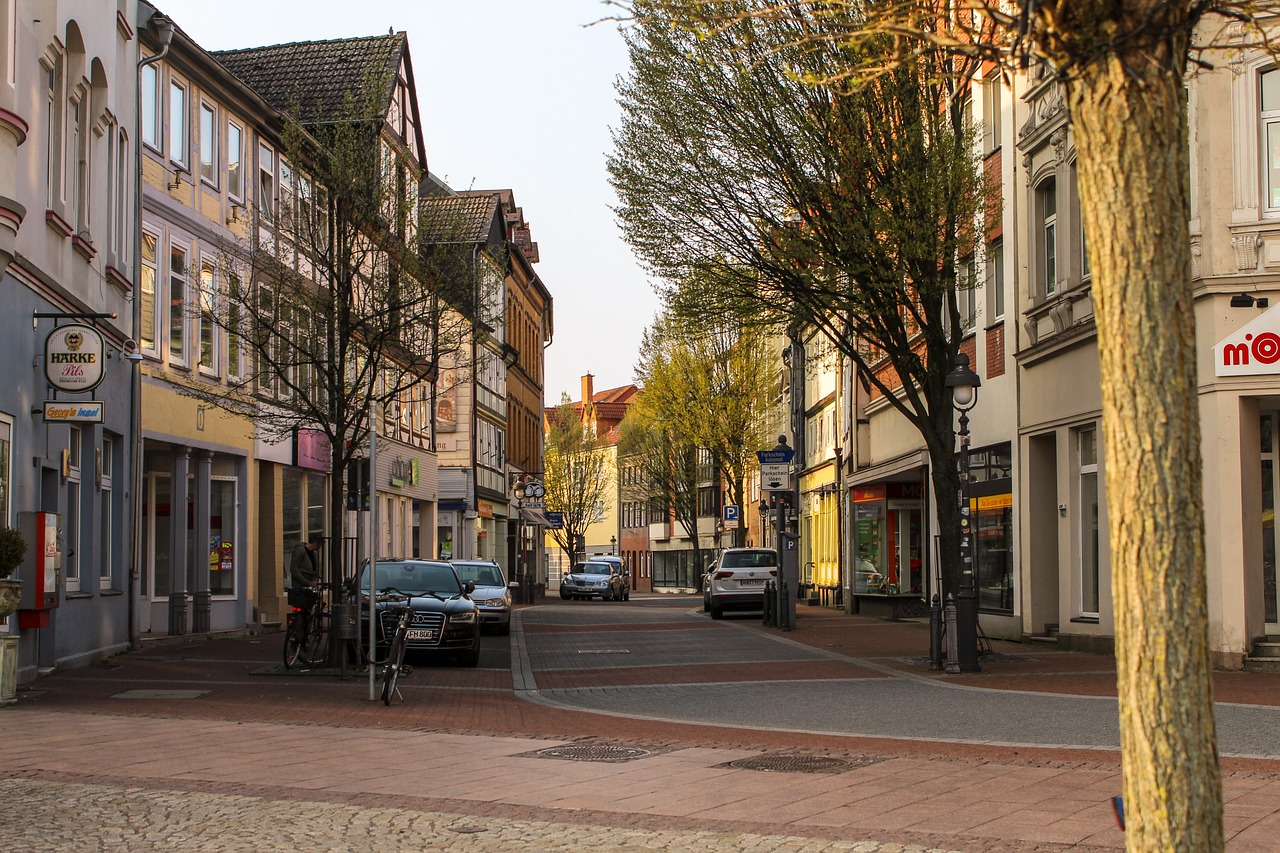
[(775, 476)]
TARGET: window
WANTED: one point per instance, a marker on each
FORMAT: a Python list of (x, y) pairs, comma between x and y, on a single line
[(1047, 207), (966, 294), (266, 184), (992, 107), (1270, 98), (177, 304), (222, 535), (147, 284), (235, 151), (208, 146), (78, 155), (235, 315), (708, 501), (208, 332), (995, 280), (71, 529), (151, 106), (106, 556), (118, 178), (1087, 445), (177, 123), (53, 132), (6, 437)]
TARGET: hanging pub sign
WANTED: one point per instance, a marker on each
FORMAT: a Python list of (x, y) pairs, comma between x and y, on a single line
[(73, 358)]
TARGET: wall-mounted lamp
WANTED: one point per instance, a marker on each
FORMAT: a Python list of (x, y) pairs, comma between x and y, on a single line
[(1248, 300)]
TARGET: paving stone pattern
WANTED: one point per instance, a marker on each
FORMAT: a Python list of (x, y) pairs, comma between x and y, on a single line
[(44, 816)]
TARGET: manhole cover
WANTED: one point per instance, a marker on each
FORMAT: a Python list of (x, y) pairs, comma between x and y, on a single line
[(592, 752), (797, 764)]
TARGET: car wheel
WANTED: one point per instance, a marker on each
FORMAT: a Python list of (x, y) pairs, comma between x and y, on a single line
[(564, 596), (716, 612), (706, 604), (470, 658), (626, 594)]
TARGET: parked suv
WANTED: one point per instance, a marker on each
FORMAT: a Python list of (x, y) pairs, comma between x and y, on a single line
[(593, 578), (738, 580)]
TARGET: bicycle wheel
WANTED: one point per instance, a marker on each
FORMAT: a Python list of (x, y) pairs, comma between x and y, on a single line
[(390, 675), (316, 644), (293, 643)]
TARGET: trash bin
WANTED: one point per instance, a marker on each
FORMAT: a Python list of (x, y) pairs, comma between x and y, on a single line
[(346, 621)]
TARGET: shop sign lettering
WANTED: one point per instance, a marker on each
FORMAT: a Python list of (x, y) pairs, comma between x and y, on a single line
[(73, 357)]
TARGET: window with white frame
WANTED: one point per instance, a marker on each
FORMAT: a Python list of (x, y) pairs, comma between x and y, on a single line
[(147, 278), (6, 473), (178, 256), (71, 528), (995, 280), (151, 106), (1047, 236), (992, 111), (118, 178), (208, 331), (78, 153), (178, 123), (53, 130), (208, 144), (1269, 98), (266, 184), (235, 296), (235, 156), (1088, 541), (106, 554), (966, 294)]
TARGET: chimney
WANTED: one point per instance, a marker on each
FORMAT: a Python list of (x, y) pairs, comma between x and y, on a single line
[(588, 390)]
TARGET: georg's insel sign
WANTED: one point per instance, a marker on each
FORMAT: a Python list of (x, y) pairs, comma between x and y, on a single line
[(73, 358)]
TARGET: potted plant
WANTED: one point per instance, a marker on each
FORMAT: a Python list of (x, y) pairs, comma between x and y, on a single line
[(13, 550)]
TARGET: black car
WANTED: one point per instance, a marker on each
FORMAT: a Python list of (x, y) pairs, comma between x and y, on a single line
[(445, 620)]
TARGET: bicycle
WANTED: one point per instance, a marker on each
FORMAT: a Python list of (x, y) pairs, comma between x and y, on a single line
[(393, 665), (306, 626)]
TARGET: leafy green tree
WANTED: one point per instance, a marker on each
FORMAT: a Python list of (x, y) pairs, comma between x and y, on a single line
[(578, 466), (775, 203)]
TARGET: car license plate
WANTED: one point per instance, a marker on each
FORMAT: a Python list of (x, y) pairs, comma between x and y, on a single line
[(759, 582), (427, 634)]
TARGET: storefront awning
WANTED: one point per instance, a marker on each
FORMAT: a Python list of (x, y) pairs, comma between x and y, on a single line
[(532, 515), (902, 468)]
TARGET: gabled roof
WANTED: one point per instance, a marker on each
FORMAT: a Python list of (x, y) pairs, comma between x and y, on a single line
[(463, 218), (320, 82)]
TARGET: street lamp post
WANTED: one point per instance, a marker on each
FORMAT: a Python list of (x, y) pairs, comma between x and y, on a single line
[(964, 384)]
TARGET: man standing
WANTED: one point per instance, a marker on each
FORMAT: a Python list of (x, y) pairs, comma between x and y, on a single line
[(304, 570)]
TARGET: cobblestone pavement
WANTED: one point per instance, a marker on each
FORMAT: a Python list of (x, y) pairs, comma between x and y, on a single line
[(67, 817)]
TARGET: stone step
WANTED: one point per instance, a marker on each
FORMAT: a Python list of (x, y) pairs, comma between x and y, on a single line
[(1254, 664), (1266, 649), (1043, 638)]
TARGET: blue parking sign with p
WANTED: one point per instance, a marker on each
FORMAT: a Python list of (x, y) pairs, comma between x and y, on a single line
[(730, 512)]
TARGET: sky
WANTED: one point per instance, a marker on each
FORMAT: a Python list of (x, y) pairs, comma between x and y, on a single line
[(513, 94)]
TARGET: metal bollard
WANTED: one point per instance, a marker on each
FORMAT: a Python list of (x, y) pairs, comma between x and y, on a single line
[(935, 634), (769, 600), (784, 605), (953, 648)]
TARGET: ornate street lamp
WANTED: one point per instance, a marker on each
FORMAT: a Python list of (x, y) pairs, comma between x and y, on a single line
[(964, 384), (613, 545)]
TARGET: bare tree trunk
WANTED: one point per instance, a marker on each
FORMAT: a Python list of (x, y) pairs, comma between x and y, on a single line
[(1126, 122)]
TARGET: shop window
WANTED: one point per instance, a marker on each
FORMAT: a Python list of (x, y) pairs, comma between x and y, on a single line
[(1088, 532), (222, 536), (72, 527), (106, 554)]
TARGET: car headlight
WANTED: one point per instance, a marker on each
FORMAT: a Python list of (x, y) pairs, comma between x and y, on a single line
[(494, 602), (602, 583), (464, 618)]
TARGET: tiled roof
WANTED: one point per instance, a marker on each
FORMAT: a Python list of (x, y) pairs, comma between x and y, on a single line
[(321, 81), (466, 218)]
